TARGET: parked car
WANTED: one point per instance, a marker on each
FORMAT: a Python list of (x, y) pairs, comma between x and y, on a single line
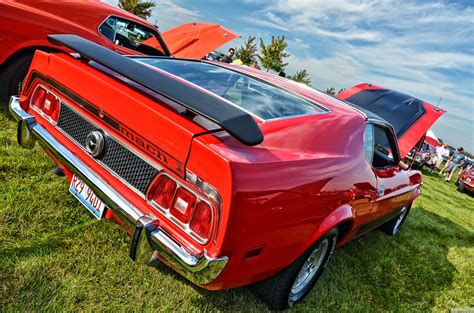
[(418, 158), (410, 117), (24, 27), (229, 175), (465, 181)]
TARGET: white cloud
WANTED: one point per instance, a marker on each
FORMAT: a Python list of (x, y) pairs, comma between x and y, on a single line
[(408, 46)]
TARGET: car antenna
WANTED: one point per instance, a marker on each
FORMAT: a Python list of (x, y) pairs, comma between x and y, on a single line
[(437, 106)]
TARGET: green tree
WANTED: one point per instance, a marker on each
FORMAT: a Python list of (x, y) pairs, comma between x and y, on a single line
[(139, 8), (271, 56), (247, 52), (302, 76)]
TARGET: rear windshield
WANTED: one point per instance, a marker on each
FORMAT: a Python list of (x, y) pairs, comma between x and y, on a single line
[(256, 97)]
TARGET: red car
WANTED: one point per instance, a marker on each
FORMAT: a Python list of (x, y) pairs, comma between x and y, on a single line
[(410, 117), (229, 175), (24, 27), (465, 181)]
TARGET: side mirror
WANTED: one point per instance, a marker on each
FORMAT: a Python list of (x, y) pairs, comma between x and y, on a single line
[(403, 166)]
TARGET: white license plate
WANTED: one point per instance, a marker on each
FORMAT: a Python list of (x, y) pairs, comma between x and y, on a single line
[(87, 197)]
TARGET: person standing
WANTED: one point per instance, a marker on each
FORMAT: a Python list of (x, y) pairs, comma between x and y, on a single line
[(441, 152), (228, 57), (456, 160)]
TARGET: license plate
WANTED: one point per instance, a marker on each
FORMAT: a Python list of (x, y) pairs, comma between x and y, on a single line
[(87, 197)]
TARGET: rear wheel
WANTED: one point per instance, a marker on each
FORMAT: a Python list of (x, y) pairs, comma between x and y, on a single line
[(393, 226), (293, 283), (12, 75)]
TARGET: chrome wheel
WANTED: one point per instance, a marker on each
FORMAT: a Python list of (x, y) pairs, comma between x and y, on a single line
[(308, 271), (399, 220)]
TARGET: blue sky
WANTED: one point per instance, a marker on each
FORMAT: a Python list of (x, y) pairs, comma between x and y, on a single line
[(423, 48)]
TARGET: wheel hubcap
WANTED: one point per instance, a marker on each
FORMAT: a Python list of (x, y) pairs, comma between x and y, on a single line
[(309, 270), (400, 220)]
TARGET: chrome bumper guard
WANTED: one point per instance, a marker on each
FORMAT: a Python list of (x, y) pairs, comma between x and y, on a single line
[(150, 242)]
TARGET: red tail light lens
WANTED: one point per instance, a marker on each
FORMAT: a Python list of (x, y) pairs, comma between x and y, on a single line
[(46, 103), (38, 98), (163, 193), (183, 205), (202, 218)]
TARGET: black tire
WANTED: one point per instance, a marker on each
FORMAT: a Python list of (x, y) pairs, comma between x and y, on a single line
[(277, 291), (393, 226), (461, 187), (12, 75)]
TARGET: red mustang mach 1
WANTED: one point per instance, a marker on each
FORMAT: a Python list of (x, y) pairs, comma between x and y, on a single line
[(229, 175)]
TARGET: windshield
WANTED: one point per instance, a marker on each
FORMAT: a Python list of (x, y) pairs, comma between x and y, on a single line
[(256, 97)]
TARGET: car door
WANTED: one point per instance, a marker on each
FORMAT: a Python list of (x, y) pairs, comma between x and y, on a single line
[(393, 183)]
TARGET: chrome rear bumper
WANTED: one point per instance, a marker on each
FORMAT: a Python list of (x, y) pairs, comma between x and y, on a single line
[(149, 241)]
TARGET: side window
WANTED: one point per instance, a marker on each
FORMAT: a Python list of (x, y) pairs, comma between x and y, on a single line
[(378, 146), (382, 148), (131, 35), (369, 142), (107, 28)]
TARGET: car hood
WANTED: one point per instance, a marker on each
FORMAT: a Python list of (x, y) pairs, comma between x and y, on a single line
[(195, 40), (410, 117)]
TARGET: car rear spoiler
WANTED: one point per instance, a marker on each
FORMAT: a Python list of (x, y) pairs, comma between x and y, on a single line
[(231, 118)]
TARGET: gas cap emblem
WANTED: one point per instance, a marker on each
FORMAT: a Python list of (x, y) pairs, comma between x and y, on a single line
[(95, 143)]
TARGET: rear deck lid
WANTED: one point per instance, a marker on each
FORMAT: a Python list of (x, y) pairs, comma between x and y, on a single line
[(410, 117)]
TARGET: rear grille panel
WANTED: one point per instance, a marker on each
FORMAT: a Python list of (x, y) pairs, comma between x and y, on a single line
[(122, 162)]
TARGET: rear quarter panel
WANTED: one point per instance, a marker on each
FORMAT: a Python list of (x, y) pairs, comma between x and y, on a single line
[(284, 199)]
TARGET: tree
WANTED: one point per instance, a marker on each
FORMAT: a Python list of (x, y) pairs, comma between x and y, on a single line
[(271, 56), (301, 76), (139, 8), (331, 91), (248, 51)]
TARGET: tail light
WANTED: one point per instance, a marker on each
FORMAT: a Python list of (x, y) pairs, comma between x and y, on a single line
[(186, 208), (201, 222), (46, 103), (164, 191), (183, 205)]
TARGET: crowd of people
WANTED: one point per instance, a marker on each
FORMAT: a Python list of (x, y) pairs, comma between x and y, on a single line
[(455, 161)]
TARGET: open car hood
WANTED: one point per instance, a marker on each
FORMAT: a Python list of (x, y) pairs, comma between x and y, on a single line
[(195, 40), (410, 117)]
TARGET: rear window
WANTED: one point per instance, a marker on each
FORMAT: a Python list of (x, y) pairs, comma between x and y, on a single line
[(256, 97)]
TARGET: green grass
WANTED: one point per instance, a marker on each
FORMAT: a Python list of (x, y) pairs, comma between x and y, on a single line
[(56, 257)]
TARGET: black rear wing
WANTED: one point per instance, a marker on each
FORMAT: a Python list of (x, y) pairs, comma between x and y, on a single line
[(231, 118)]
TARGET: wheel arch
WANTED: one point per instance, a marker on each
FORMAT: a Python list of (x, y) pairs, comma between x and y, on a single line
[(341, 218)]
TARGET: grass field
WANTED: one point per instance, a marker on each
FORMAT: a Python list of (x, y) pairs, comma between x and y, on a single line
[(56, 257)]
